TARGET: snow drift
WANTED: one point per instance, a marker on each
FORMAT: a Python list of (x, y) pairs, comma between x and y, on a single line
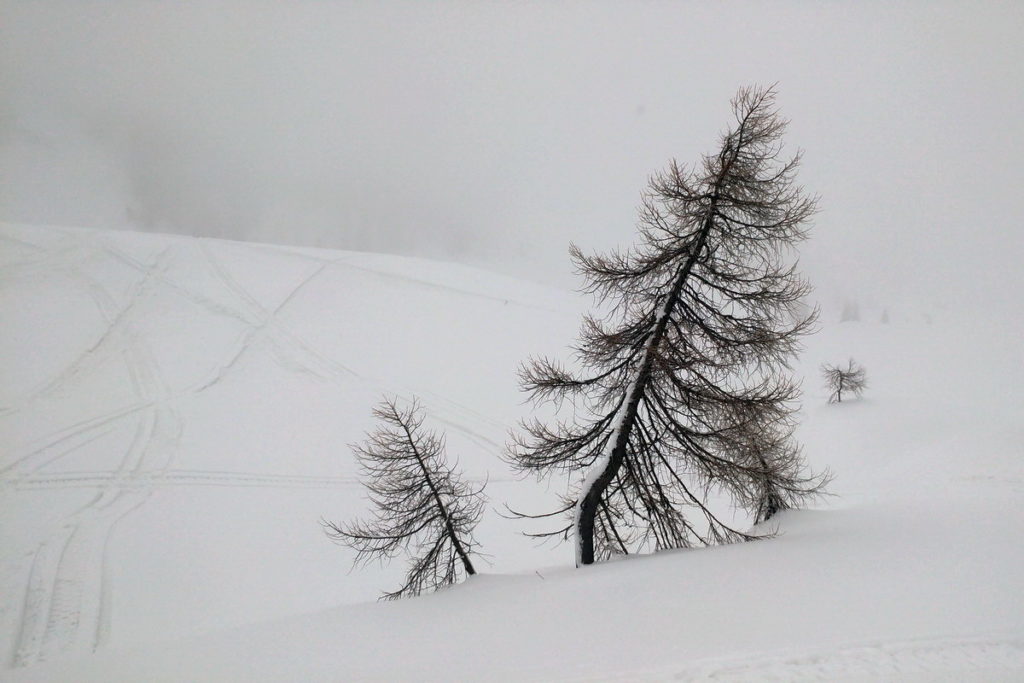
[(174, 414)]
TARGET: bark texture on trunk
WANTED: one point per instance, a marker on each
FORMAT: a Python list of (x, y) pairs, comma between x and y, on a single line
[(463, 555), (591, 498)]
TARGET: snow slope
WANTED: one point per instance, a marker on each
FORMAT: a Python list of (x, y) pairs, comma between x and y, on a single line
[(174, 414)]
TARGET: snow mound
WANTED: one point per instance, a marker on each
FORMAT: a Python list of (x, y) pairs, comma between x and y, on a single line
[(174, 421)]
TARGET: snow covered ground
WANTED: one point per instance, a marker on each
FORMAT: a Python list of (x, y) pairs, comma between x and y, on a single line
[(174, 414)]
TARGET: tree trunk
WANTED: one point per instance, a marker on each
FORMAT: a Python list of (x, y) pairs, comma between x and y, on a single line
[(596, 483), (463, 555), (594, 486)]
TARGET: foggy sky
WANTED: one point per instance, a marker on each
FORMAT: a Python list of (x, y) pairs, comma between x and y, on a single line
[(495, 134)]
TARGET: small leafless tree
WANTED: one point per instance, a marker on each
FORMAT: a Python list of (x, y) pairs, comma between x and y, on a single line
[(780, 478), (683, 388), (852, 379), (421, 506)]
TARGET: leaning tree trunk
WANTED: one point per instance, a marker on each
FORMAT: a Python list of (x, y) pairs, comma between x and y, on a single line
[(463, 555), (604, 471), (684, 357)]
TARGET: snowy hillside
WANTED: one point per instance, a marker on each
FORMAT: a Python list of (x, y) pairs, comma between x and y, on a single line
[(174, 421)]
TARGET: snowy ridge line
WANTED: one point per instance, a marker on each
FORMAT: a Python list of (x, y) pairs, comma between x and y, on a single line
[(982, 658), (441, 287), (345, 262), (14, 240)]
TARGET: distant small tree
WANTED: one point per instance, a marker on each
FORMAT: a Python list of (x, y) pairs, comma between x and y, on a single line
[(421, 505), (851, 379)]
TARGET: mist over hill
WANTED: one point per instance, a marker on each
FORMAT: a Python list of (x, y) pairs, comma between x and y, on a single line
[(495, 135), (228, 228)]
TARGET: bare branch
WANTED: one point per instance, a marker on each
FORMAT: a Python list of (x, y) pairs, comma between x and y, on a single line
[(679, 389), (421, 506), (852, 380)]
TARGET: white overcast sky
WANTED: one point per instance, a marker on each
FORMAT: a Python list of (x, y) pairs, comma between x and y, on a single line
[(495, 133)]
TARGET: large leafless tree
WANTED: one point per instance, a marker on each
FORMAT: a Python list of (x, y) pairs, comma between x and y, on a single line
[(682, 386), (420, 504)]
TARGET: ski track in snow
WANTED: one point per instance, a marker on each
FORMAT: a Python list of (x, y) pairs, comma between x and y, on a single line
[(64, 602), (994, 658), (386, 274), (65, 606)]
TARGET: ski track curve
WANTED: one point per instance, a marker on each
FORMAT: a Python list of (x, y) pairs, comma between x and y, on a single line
[(65, 605), (293, 353), (290, 351), (382, 273)]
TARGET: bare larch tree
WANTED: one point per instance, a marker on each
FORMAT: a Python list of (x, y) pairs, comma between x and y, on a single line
[(420, 504), (852, 379), (769, 449), (682, 386)]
